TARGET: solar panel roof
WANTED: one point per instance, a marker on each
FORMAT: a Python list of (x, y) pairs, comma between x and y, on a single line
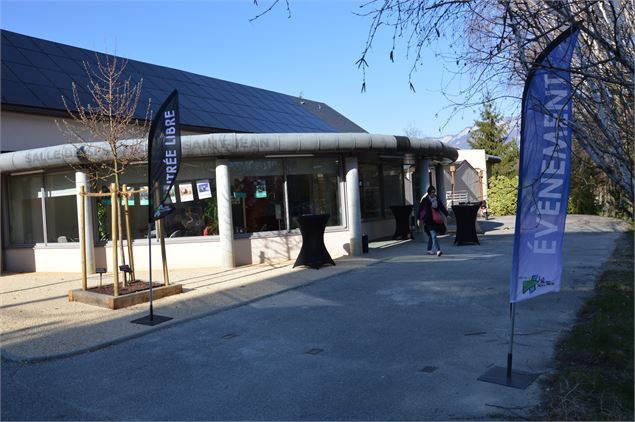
[(36, 73)]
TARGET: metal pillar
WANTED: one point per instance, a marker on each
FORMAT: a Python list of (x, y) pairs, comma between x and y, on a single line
[(81, 179), (409, 162), (439, 172), (225, 222), (1, 224), (423, 170), (353, 206)]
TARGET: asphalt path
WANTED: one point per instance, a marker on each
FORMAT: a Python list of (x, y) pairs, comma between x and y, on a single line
[(403, 339)]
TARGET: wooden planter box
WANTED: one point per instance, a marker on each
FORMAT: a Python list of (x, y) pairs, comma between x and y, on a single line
[(122, 301)]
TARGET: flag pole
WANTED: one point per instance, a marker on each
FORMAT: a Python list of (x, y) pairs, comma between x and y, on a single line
[(150, 266), (165, 133), (512, 311), (533, 272)]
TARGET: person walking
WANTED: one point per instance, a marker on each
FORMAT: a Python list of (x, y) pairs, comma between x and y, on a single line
[(430, 209)]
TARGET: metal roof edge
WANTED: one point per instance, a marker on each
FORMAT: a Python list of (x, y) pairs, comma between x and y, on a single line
[(234, 144)]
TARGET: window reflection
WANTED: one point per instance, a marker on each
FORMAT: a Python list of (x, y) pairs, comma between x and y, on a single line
[(257, 195), (381, 186), (393, 186), (193, 194), (312, 185), (61, 207), (25, 209), (369, 190)]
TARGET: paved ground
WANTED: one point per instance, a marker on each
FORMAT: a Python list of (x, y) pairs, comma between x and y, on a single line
[(393, 335)]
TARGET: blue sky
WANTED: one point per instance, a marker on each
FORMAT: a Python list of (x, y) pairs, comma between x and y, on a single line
[(312, 53)]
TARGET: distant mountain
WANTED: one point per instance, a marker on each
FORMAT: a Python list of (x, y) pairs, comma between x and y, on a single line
[(460, 139)]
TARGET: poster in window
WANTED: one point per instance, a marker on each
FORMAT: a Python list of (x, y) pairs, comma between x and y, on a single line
[(105, 200), (261, 188), (130, 197), (203, 189), (143, 196), (185, 192), (173, 195)]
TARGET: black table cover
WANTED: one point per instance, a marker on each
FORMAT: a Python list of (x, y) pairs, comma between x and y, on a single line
[(465, 216), (313, 252), (402, 221)]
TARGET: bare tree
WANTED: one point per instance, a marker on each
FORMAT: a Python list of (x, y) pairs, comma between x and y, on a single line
[(110, 117), (494, 44)]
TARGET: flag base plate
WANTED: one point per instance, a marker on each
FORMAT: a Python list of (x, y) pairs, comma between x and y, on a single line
[(154, 320), (518, 379)]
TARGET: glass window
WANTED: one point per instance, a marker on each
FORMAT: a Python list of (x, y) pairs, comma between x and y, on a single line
[(370, 190), (312, 186), (193, 195), (61, 207), (25, 209), (257, 195), (392, 186), (135, 177)]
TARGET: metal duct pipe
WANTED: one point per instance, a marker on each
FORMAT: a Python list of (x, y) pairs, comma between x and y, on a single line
[(233, 144)]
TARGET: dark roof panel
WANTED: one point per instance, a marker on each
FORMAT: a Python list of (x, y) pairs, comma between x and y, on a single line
[(40, 60), (12, 54), (8, 74), (48, 46), (69, 66), (17, 93), (28, 73), (50, 97), (36, 73)]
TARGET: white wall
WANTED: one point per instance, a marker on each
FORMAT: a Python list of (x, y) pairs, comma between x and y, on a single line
[(476, 157), (379, 229), (188, 254), (24, 131), (20, 131), (43, 259), (478, 160)]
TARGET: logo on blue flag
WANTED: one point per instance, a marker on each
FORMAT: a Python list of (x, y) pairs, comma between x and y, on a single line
[(545, 159)]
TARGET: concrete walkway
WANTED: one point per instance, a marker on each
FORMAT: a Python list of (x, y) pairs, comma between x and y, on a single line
[(395, 335), (37, 322)]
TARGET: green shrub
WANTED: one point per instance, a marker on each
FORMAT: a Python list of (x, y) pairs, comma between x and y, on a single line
[(502, 193)]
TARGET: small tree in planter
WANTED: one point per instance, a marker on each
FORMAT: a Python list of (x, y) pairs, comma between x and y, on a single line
[(109, 115)]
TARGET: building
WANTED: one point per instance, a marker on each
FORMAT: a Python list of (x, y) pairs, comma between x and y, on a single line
[(466, 178), (253, 161)]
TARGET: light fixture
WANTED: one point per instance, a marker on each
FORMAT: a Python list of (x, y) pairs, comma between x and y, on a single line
[(288, 155), (23, 173)]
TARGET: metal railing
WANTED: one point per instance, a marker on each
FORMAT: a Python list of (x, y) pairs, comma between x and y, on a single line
[(457, 197)]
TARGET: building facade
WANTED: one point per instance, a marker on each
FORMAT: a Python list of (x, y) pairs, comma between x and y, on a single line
[(253, 161)]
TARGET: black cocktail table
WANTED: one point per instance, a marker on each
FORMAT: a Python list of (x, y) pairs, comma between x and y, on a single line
[(313, 252), (465, 215), (402, 221)]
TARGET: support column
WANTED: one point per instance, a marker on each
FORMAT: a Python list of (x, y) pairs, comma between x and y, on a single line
[(1, 240), (408, 167), (81, 179), (225, 222), (423, 170), (439, 174), (354, 212)]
